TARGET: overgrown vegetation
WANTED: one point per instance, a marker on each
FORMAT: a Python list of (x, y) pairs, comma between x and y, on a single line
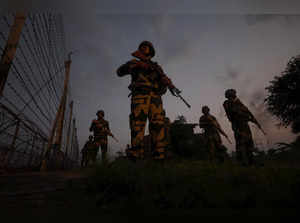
[(192, 187)]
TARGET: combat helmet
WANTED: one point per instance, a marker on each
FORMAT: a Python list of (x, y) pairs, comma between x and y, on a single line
[(205, 109), (100, 112), (230, 93), (150, 45)]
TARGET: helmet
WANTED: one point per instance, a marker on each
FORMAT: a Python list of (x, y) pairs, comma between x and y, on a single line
[(150, 45), (205, 109), (100, 112), (230, 93)]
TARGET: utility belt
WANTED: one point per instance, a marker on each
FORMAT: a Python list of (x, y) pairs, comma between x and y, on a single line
[(145, 90), (100, 137)]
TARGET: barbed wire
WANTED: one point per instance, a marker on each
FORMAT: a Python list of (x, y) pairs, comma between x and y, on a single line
[(33, 90)]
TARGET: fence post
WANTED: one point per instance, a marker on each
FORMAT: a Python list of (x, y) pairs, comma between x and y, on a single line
[(63, 103), (11, 48), (68, 133), (57, 128)]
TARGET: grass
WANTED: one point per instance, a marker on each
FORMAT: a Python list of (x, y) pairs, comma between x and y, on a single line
[(183, 186), (125, 191)]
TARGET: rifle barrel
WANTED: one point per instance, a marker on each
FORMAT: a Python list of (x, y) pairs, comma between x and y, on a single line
[(185, 102)]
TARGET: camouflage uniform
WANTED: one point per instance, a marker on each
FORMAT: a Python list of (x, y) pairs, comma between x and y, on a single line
[(239, 116), (211, 134), (87, 152), (146, 90), (101, 130)]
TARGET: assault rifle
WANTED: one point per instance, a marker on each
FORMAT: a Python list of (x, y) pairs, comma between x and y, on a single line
[(112, 135), (218, 127), (258, 125), (253, 119)]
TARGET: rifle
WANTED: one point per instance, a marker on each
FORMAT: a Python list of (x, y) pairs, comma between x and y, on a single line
[(176, 92), (218, 127), (253, 119), (110, 134), (164, 78), (228, 139), (114, 138)]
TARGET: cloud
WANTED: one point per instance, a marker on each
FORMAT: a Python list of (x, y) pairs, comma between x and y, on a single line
[(260, 18)]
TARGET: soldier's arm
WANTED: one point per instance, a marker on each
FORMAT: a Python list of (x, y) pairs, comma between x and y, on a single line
[(219, 128), (126, 68), (84, 147), (243, 111), (164, 78), (108, 129), (226, 108), (92, 127), (251, 116), (202, 123), (254, 120)]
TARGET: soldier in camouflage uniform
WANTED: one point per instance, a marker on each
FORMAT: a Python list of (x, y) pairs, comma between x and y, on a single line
[(88, 147), (212, 130), (148, 84), (239, 116), (101, 130)]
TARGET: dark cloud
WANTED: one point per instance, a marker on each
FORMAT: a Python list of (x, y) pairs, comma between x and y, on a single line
[(157, 6), (192, 46), (255, 19)]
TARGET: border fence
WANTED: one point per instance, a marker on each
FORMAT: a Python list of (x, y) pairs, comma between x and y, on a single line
[(36, 106)]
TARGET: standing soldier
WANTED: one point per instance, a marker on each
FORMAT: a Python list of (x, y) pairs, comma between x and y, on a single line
[(101, 130), (88, 147), (148, 84), (239, 116), (212, 130)]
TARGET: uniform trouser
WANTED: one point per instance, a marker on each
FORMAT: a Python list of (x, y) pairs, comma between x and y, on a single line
[(84, 159), (244, 145), (101, 142), (145, 106), (213, 143)]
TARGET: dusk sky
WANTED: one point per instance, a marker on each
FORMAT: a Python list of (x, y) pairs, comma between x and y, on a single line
[(205, 47)]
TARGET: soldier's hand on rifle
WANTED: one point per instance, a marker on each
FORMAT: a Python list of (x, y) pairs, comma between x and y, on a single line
[(228, 139), (258, 125), (263, 132), (175, 91), (114, 138), (167, 81)]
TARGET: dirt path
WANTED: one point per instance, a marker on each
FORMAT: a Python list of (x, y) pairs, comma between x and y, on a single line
[(38, 189)]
